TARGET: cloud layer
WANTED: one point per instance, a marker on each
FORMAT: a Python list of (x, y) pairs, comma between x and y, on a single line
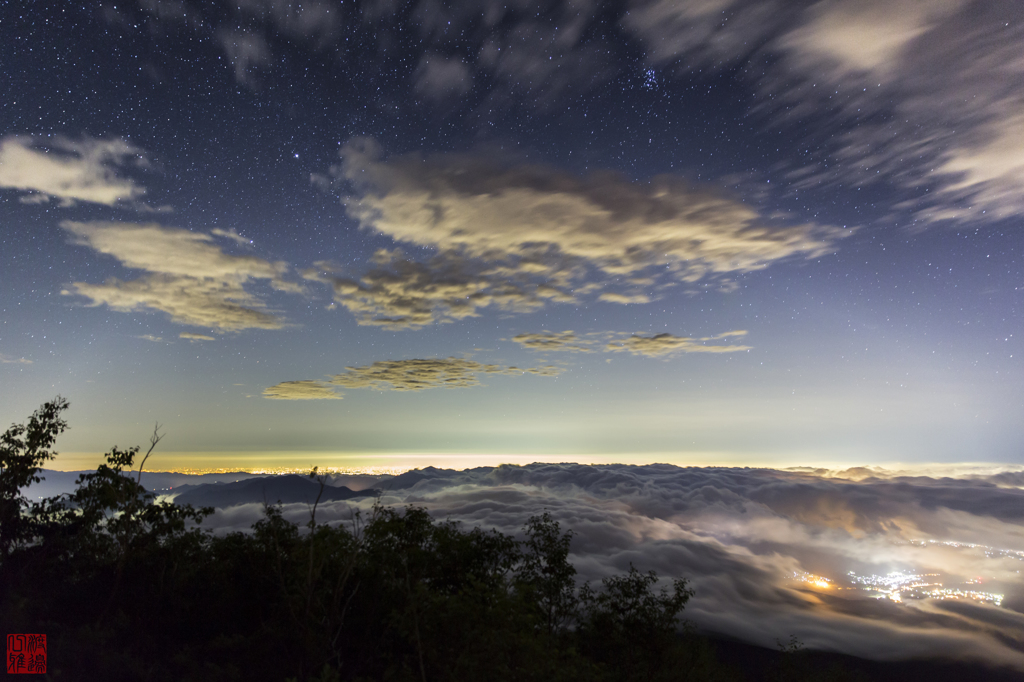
[(658, 345), (441, 79), (926, 94), (664, 344), (187, 275), (421, 374), (517, 237), (69, 170), (301, 390), (554, 341), (747, 539), (8, 360), (414, 374), (399, 293), (193, 338), (917, 94), (246, 51), (476, 206)]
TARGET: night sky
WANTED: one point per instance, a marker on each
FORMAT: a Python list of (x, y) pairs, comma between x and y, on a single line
[(389, 233)]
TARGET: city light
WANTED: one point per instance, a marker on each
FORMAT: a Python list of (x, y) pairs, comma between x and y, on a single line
[(901, 586)]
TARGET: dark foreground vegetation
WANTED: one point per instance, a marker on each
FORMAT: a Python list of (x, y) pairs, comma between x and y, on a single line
[(126, 588)]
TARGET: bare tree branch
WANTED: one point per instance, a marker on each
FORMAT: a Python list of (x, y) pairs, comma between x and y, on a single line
[(153, 440)]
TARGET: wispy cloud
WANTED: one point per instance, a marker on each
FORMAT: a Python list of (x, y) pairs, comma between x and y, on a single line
[(624, 299), (414, 374), (301, 390), (657, 345), (189, 336), (421, 374), (692, 36), (863, 36), (313, 23), (986, 171), (541, 59), (247, 51), (915, 94), (70, 170), (398, 293), (554, 341), (243, 30), (440, 79), (918, 94), (518, 237), (9, 360), (232, 235), (528, 55), (664, 344), (483, 208), (187, 275)]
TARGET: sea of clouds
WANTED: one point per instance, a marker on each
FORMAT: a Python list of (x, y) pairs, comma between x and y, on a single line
[(752, 543)]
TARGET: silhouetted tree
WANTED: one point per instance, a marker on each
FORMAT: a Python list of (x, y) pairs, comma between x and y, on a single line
[(545, 576), (23, 450), (130, 588), (629, 627)]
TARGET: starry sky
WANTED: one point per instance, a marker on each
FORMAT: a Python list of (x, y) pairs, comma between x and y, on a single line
[(382, 233)]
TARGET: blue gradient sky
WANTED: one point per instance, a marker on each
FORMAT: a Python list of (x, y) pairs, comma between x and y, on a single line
[(203, 204)]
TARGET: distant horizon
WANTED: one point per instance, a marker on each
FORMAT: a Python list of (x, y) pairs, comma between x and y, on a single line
[(289, 462), (868, 562)]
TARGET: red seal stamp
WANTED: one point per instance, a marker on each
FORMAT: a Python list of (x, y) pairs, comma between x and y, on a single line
[(26, 654)]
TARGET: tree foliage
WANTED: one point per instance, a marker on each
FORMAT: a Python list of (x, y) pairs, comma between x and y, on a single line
[(129, 588), (24, 448)]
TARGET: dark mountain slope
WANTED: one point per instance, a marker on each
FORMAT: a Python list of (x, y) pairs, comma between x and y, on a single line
[(270, 489)]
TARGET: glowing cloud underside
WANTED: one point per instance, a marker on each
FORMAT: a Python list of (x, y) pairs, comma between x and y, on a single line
[(69, 170), (553, 341), (415, 374), (422, 374), (301, 390), (6, 359), (661, 345), (188, 336), (484, 209), (518, 237), (187, 275)]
